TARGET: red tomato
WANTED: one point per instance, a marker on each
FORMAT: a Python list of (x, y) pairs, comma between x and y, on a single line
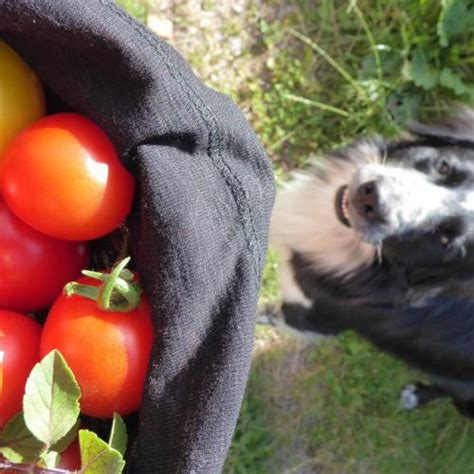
[(19, 352), (62, 176), (34, 267), (70, 458), (108, 351)]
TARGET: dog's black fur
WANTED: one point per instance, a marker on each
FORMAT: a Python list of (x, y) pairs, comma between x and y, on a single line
[(416, 298)]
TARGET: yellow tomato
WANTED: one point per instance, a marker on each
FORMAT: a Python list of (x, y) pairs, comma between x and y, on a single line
[(21, 95)]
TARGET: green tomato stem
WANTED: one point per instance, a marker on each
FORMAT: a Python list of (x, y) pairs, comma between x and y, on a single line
[(86, 291), (116, 293), (125, 274)]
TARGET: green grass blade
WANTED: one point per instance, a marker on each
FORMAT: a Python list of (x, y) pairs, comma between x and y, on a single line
[(319, 105), (330, 60)]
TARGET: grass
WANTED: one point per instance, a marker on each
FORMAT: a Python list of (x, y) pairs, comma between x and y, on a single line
[(338, 69), (324, 73), (137, 8), (333, 408)]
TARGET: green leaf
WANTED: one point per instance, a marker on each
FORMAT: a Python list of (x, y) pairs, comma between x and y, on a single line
[(449, 79), (391, 63), (65, 441), (403, 106), (455, 18), (50, 459), (419, 71), (97, 457), (17, 444), (118, 434), (51, 401)]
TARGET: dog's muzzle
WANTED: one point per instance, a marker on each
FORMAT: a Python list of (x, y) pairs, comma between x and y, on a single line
[(383, 201)]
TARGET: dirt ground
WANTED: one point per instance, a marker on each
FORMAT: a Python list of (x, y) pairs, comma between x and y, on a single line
[(220, 39), (213, 36)]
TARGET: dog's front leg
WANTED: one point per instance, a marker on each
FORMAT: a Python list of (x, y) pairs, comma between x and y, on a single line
[(416, 394)]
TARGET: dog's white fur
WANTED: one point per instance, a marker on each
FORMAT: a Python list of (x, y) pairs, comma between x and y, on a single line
[(300, 223)]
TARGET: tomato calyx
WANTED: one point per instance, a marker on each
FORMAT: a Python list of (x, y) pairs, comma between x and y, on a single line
[(118, 291)]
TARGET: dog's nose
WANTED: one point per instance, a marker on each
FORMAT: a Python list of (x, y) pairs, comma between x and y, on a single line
[(366, 201)]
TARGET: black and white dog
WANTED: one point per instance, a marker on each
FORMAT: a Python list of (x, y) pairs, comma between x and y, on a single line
[(379, 238)]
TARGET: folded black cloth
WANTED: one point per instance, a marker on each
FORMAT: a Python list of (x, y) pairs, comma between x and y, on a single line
[(199, 224)]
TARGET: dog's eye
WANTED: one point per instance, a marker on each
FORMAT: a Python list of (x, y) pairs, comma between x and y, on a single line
[(449, 232), (444, 168), (445, 240)]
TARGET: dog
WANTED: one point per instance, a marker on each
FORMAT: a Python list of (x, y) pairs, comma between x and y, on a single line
[(378, 237)]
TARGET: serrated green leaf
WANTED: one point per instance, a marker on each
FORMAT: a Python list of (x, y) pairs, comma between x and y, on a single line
[(51, 400), (419, 71), (449, 79), (455, 18), (17, 444), (97, 457), (50, 459), (118, 434)]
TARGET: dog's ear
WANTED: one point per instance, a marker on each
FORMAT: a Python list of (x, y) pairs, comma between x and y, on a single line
[(455, 129)]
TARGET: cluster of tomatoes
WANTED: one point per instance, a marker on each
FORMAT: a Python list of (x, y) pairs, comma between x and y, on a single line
[(61, 186)]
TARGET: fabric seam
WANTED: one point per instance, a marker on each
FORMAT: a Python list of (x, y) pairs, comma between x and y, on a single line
[(214, 149)]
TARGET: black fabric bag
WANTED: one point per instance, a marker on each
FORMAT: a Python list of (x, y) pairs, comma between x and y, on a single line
[(199, 225)]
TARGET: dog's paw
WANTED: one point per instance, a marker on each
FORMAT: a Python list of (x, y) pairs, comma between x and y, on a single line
[(269, 315), (408, 397)]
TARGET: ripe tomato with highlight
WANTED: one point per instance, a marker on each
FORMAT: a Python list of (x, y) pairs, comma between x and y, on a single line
[(34, 267), (108, 351), (62, 176), (19, 352)]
